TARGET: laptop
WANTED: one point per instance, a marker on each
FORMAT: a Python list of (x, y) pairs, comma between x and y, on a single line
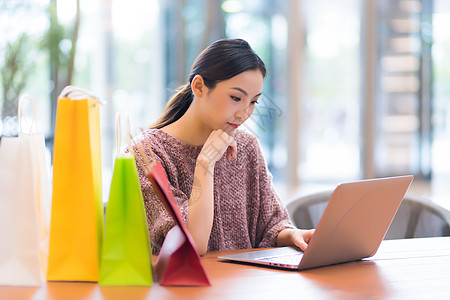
[(351, 228)]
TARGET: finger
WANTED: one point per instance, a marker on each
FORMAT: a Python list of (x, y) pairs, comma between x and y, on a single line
[(231, 153), (233, 149), (301, 244), (302, 238), (308, 235), (223, 135), (228, 154)]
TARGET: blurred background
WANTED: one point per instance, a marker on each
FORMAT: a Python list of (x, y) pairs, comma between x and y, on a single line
[(356, 88)]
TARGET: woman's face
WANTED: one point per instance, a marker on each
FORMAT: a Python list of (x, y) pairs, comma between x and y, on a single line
[(232, 101)]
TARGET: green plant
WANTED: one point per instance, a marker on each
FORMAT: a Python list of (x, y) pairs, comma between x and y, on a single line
[(15, 73), (61, 60)]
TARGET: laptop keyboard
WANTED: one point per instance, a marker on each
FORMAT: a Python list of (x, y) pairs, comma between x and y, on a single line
[(287, 259)]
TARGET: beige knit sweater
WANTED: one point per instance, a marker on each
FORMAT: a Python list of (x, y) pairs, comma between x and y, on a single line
[(247, 211)]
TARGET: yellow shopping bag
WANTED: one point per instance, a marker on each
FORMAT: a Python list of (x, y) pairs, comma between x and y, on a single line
[(76, 227)]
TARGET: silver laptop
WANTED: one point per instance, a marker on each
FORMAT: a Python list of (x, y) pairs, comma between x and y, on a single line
[(352, 227)]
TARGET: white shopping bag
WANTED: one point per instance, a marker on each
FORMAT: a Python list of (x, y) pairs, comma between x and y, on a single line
[(24, 192)]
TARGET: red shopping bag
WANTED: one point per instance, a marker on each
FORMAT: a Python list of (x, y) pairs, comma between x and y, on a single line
[(178, 263)]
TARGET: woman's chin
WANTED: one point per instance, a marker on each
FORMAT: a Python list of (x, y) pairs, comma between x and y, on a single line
[(229, 129)]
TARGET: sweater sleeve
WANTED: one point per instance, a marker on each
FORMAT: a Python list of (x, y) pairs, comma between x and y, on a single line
[(158, 219), (273, 216)]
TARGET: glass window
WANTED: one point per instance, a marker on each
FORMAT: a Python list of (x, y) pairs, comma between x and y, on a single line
[(441, 88), (401, 74), (331, 95), (263, 26), (441, 103), (23, 61), (135, 53)]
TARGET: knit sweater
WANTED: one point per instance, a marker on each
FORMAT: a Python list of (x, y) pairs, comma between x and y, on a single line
[(247, 211)]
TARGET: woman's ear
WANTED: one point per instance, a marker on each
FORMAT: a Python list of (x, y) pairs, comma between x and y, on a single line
[(198, 86)]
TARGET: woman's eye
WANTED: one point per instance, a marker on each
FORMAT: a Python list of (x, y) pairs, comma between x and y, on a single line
[(237, 99), (255, 102)]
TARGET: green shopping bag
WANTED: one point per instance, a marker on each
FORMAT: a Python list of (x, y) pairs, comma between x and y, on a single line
[(126, 254)]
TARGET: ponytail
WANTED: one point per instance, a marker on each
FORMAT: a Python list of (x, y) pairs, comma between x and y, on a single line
[(175, 107)]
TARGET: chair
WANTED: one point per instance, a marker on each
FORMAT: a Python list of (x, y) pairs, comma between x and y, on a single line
[(416, 216)]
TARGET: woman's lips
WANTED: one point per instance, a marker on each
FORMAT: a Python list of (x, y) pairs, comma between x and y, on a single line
[(234, 125)]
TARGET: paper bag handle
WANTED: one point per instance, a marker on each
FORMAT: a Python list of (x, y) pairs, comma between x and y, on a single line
[(143, 160), (19, 113), (118, 135), (77, 93)]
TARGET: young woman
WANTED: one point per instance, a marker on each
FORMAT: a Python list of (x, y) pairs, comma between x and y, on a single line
[(217, 173)]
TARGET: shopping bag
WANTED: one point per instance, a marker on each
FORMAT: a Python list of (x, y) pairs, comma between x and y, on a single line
[(24, 194), (126, 252), (178, 263), (76, 228)]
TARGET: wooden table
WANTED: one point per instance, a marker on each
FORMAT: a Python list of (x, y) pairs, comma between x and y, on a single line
[(402, 269)]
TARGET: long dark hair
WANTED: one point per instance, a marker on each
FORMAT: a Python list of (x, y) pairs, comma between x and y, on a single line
[(220, 61)]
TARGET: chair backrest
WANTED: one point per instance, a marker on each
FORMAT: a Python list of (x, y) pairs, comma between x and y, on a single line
[(416, 217)]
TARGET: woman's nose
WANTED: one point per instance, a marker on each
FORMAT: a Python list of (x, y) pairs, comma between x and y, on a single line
[(243, 113)]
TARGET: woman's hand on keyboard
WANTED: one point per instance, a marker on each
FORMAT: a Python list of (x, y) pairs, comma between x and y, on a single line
[(295, 237)]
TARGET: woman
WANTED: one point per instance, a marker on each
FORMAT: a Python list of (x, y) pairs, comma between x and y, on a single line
[(217, 173)]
